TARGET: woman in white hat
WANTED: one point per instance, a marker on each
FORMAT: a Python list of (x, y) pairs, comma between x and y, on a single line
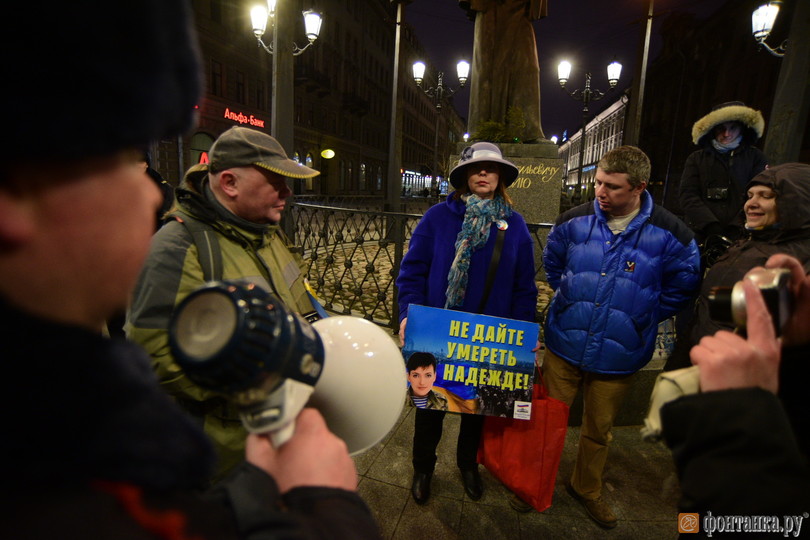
[(446, 266)]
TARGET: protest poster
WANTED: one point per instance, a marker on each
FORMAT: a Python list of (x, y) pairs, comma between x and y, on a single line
[(469, 363)]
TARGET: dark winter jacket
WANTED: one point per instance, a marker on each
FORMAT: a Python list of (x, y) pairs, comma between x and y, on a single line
[(95, 449), (253, 253), (712, 188), (736, 454), (422, 277), (613, 290), (708, 169), (791, 182)]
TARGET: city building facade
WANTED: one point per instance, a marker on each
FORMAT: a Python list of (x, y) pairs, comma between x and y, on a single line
[(603, 132), (701, 63), (342, 96)]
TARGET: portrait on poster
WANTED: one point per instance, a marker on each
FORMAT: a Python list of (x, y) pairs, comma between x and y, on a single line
[(469, 363)]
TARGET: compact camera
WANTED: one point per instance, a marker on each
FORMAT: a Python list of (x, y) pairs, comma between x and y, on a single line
[(717, 194), (727, 304)]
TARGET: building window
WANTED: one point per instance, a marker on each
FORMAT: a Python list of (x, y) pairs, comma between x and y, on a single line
[(216, 78), (240, 87), (260, 95), (362, 185)]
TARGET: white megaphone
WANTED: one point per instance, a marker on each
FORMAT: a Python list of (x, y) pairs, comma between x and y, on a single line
[(241, 341)]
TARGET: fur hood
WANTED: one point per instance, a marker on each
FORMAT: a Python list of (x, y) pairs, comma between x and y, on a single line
[(754, 124)]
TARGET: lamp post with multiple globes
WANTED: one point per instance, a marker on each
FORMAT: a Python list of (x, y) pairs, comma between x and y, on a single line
[(586, 96), (439, 94)]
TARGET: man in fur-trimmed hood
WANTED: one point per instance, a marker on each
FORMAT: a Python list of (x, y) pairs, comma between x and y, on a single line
[(712, 190)]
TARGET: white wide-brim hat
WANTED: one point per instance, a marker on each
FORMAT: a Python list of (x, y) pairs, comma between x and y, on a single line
[(476, 153)]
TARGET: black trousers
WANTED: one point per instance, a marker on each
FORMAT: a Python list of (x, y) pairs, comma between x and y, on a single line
[(428, 432)]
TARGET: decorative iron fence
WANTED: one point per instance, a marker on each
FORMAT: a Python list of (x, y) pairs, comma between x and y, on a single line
[(353, 257)]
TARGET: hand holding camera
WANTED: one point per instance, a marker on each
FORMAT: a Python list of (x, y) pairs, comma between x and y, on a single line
[(796, 330), (727, 360), (729, 304)]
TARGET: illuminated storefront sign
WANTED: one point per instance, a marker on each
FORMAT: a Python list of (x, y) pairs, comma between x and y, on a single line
[(242, 119)]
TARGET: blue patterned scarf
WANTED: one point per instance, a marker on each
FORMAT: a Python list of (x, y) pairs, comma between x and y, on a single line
[(474, 233)]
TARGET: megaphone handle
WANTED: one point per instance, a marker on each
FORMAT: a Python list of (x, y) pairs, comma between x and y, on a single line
[(282, 434)]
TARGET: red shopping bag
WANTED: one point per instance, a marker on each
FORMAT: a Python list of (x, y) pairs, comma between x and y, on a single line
[(525, 454)]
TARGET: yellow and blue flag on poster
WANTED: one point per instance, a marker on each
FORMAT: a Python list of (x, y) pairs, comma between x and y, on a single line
[(483, 364)]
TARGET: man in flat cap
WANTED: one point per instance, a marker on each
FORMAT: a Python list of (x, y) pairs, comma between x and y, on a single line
[(95, 448), (226, 227)]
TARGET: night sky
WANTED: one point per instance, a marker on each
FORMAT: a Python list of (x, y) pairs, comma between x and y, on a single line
[(587, 33)]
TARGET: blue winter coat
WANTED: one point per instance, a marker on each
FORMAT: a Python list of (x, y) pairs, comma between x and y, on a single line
[(613, 290), (423, 275)]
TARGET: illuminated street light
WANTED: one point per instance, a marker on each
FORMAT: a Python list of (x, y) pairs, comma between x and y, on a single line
[(259, 16), (762, 21), (439, 93), (586, 95)]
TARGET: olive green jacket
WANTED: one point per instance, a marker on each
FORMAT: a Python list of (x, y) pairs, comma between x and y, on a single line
[(261, 255), (435, 401)]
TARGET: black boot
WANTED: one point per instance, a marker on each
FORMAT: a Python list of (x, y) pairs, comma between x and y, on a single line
[(420, 488), (472, 483)]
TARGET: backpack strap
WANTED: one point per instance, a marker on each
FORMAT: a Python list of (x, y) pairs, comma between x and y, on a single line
[(207, 245), (210, 257)]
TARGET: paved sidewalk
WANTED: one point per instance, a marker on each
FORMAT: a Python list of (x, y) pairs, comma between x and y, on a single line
[(640, 485)]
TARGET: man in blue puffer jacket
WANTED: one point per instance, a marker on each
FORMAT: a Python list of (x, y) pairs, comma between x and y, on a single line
[(619, 266)]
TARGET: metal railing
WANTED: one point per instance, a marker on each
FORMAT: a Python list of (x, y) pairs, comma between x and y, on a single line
[(353, 256)]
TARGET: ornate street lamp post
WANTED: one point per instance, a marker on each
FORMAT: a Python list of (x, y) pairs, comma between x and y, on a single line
[(260, 16), (762, 21), (439, 94), (281, 19), (586, 96)]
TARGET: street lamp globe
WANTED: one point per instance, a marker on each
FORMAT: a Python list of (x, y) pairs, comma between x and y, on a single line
[(614, 71), (762, 20), (312, 24), (418, 72), (258, 17), (563, 72), (463, 71)]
